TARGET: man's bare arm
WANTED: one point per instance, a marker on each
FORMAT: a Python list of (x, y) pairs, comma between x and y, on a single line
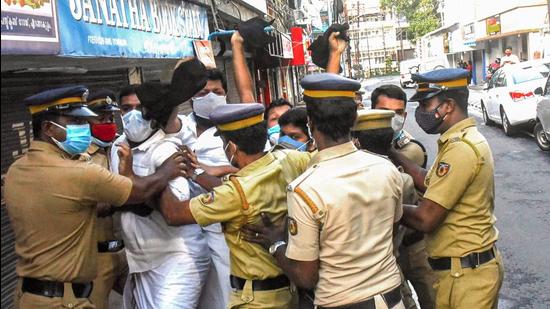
[(243, 79)]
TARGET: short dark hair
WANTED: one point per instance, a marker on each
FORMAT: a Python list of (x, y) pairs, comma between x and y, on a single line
[(250, 140), (216, 74), (377, 140), (38, 119), (332, 117), (459, 95), (276, 103), (391, 91), (126, 91), (508, 47), (297, 117)]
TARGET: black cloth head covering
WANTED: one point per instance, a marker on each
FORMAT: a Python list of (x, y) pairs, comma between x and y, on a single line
[(253, 32), (320, 47)]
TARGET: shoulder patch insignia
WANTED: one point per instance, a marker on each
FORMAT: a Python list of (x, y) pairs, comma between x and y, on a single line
[(292, 226), (207, 198), (442, 169)]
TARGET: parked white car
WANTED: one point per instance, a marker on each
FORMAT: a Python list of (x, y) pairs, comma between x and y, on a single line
[(542, 126), (510, 98), (422, 65)]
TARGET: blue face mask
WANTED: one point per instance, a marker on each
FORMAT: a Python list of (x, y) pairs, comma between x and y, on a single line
[(77, 140), (290, 143), (273, 134)]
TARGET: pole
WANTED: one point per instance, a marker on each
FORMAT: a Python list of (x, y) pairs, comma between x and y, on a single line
[(348, 51)]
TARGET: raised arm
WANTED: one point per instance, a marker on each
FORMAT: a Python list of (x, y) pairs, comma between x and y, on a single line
[(243, 79)]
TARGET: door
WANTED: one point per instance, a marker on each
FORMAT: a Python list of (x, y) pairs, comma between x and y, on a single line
[(497, 95)]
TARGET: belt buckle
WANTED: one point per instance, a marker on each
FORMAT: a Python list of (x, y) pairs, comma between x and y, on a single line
[(474, 260)]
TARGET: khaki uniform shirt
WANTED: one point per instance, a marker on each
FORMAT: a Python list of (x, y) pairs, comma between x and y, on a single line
[(462, 181), (51, 204), (341, 212), (410, 150), (104, 224), (258, 187)]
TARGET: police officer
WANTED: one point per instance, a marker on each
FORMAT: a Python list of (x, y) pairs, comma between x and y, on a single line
[(112, 268), (457, 209), (341, 211), (412, 257), (391, 97), (51, 197), (259, 186), (373, 131)]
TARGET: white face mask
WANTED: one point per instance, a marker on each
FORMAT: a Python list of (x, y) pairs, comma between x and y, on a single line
[(204, 106), (397, 123), (136, 128)]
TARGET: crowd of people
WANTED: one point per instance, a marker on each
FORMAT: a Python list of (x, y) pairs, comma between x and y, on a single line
[(241, 206)]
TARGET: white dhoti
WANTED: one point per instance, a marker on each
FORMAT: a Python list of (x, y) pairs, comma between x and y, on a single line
[(177, 283), (215, 294)]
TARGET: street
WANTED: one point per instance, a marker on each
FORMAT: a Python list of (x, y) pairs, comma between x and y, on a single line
[(522, 172)]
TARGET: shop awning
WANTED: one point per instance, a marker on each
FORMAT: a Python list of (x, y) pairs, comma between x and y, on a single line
[(502, 35)]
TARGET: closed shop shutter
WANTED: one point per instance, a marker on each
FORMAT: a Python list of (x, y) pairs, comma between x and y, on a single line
[(17, 133)]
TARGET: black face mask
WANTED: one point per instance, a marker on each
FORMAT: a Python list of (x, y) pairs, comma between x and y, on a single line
[(427, 120)]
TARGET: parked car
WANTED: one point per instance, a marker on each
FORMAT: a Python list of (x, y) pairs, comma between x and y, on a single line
[(541, 65), (542, 125), (510, 99), (422, 65)]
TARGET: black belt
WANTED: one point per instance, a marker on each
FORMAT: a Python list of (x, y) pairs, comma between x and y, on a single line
[(413, 238), (261, 285), (110, 246), (392, 298), (471, 260), (54, 288)]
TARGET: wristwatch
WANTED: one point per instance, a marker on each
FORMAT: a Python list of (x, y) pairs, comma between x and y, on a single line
[(196, 174), (273, 248)]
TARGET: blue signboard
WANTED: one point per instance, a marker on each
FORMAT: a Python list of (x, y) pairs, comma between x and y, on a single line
[(130, 28)]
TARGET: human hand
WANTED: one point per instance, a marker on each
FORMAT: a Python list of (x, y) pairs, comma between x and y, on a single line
[(174, 166), (336, 44), (126, 160), (265, 234), (190, 160), (237, 39)]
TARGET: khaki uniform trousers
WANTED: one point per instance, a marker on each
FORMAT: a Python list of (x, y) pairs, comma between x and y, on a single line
[(112, 271), (413, 261), (283, 298), (32, 301), (466, 288)]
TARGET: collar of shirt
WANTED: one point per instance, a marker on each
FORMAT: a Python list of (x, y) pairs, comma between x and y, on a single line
[(193, 123), (456, 128), (250, 168), (333, 152), (150, 141), (92, 149)]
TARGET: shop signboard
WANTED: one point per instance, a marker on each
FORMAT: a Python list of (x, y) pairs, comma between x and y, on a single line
[(130, 28), (29, 27), (492, 25)]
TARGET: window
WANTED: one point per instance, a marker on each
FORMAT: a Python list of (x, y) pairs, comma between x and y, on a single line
[(547, 88), (525, 75), (500, 80)]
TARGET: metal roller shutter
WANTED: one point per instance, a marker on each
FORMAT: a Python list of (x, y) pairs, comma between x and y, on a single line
[(16, 131)]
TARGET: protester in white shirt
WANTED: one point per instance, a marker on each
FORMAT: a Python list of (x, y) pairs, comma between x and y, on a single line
[(168, 265), (197, 132), (508, 57)]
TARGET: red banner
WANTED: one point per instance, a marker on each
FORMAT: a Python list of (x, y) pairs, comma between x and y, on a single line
[(296, 34)]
